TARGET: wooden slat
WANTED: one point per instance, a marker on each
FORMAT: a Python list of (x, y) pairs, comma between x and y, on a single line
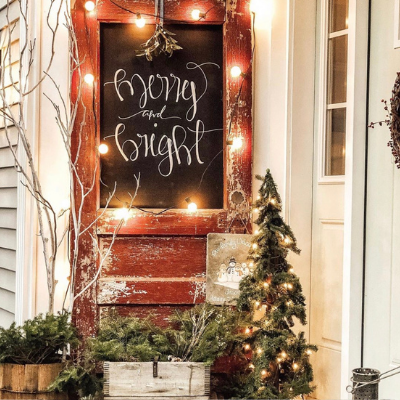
[(155, 256), (7, 301), (152, 291), (8, 198), (7, 259), (6, 158), (8, 218), (13, 12), (173, 380), (8, 239), (176, 222), (8, 177), (12, 135), (7, 280), (6, 318)]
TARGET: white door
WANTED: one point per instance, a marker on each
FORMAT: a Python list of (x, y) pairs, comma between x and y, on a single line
[(382, 269), (328, 198)]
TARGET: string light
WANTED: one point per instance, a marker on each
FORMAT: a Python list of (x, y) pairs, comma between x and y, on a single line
[(197, 14), (256, 232), (287, 240), (266, 284), (247, 346), (251, 366), (237, 143), (259, 351), (122, 213), (236, 71), (279, 359), (291, 270), (103, 148), (140, 22), (309, 352), (251, 264), (290, 286), (295, 366), (247, 331), (263, 372), (255, 245), (90, 6), (273, 201), (257, 304), (89, 79), (283, 355), (192, 207)]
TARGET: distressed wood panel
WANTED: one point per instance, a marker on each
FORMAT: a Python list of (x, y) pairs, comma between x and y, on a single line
[(7, 259), (107, 11), (151, 291), (7, 279), (155, 257), (174, 222), (173, 380), (159, 314), (8, 198), (215, 10)]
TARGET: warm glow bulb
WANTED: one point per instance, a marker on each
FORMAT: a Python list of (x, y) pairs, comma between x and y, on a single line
[(256, 232), (197, 14), (259, 351), (247, 347), (251, 264), (290, 286), (295, 366), (251, 366), (192, 207), (309, 352), (263, 372), (140, 22), (237, 143), (266, 284), (255, 245), (236, 71), (247, 331), (278, 359), (283, 354), (89, 79), (90, 6), (122, 213), (291, 270), (257, 303), (103, 148), (287, 240)]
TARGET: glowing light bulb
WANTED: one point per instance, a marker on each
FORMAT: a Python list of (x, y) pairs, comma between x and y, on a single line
[(247, 347), (255, 245), (256, 210), (291, 270), (273, 201), (283, 354), (285, 285), (251, 366), (295, 366), (103, 148), (192, 207), (122, 213), (290, 286), (309, 352), (251, 265), (278, 359), (266, 284), (256, 232), (89, 79), (140, 22), (197, 14), (259, 351), (287, 240), (263, 372), (257, 304), (236, 72), (237, 143), (258, 197), (247, 331), (90, 6)]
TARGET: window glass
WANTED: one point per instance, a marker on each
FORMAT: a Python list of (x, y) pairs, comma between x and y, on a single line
[(338, 15), (337, 69), (335, 152)]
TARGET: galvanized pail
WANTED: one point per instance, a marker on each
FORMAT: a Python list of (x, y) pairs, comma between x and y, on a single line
[(362, 389)]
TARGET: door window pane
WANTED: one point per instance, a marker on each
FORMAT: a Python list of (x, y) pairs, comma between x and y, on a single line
[(335, 142), (337, 69), (338, 15)]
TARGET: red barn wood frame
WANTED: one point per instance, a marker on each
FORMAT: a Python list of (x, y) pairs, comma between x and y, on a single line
[(158, 262)]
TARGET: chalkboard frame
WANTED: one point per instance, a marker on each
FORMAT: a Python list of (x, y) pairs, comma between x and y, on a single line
[(235, 215)]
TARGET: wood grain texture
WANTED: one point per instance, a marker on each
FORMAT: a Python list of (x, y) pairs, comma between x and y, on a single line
[(155, 256), (173, 379)]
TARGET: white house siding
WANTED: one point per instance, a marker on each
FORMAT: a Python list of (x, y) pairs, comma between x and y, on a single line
[(8, 174)]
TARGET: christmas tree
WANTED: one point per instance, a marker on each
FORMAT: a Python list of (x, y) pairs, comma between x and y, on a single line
[(278, 359)]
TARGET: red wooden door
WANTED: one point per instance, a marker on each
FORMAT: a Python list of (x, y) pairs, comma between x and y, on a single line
[(158, 262)]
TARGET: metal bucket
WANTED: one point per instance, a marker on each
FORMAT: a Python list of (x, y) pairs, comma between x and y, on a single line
[(361, 389)]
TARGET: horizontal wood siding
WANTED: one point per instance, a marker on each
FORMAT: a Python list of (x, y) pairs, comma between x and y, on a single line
[(8, 174)]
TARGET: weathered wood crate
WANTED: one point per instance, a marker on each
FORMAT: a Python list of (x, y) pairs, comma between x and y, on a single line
[(162, 380), (29, 381)]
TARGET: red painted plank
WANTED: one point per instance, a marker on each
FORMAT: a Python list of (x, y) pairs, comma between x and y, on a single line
[(159, 314), (182, 10), (109, 12), (158, 291), (173, 222), (155, 257)]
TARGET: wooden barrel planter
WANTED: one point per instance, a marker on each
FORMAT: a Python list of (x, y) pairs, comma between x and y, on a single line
[(29, 381), (158, 380)]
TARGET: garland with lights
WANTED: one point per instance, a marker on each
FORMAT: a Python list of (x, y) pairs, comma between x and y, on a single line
[(278, 359)]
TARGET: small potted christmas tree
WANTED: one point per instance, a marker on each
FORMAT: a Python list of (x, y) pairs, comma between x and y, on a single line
[(278, 359)]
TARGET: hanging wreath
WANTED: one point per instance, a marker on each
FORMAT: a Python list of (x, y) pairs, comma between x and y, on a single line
[(393, 120)]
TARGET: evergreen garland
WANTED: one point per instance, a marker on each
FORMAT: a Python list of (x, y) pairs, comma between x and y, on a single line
[(278, 360)]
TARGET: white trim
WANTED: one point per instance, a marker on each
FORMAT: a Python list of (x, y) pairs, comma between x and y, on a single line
[(335, 106), (396, 27), (354, 191), (338, 33), (25, 293)]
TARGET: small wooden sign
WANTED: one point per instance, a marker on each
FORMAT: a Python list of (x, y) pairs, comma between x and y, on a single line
[(227, 265)]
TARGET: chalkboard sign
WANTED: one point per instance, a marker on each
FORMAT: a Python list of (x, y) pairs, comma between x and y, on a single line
[(162, 120)]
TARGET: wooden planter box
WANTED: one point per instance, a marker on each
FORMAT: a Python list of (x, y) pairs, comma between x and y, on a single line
[(162, 380), (29, 381)]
